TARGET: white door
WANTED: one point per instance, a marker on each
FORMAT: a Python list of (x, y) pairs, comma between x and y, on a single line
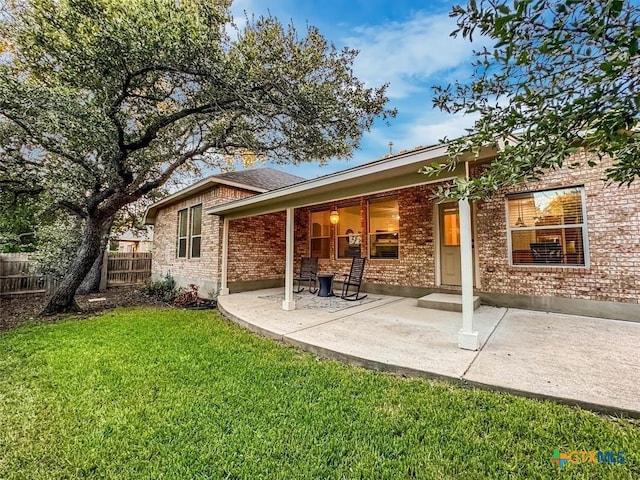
[(450, 270)]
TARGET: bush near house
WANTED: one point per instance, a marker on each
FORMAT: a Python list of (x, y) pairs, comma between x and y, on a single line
[(166, 393), (165, 289)]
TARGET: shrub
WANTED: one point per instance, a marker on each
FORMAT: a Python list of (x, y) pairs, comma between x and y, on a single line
[(164, 289), (187, 296)]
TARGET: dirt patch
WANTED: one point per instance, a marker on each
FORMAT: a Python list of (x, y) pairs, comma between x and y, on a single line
[(22, 309)]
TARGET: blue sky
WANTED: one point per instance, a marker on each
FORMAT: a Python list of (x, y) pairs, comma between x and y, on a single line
[(405, 43)]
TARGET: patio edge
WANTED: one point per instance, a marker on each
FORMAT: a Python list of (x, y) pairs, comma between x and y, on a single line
[(415, 373)]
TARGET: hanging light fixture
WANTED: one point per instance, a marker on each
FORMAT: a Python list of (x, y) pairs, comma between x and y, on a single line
[(334, 217), (520, 221)]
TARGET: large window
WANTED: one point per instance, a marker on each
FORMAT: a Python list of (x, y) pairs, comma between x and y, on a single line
[(189, 232), (384, 222), (548, 227), (196, 231), (349, 236), (319, 233), (182, 233)]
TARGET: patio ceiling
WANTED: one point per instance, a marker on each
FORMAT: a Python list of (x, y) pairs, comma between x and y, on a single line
[(390, 173)]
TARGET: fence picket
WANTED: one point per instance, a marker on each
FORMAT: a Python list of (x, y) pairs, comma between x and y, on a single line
[(19, 274), (128, 268)]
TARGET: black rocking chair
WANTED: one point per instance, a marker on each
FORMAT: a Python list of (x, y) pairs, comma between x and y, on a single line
[(308, 273), (354, 279)]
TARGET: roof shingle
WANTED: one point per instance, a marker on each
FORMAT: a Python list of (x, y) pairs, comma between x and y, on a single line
[(265, 178)]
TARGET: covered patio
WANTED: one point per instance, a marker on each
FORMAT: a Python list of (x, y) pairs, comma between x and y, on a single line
[(391, 174), (530, 353)]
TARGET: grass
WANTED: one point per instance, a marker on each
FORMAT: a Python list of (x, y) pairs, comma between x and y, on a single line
[(153, 393)]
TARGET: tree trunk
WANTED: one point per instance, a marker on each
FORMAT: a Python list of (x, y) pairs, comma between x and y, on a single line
[(91, 283), (63, 300)]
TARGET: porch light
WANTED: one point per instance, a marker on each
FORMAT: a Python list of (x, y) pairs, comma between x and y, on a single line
[(334, 217)]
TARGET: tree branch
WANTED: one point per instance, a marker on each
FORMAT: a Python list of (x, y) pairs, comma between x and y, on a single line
[(73, 208), (48, 146)]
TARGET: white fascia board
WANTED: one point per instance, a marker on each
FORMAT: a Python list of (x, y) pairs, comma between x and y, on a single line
[(403, 164)]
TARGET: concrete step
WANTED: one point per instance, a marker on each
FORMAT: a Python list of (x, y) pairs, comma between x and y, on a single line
[(445, 301)]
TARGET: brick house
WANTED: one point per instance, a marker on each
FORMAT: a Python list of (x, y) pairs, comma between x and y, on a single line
[(567, 243), (187, 243)]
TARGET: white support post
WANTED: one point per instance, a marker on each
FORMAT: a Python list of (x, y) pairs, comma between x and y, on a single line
[(224, 287), (467, 337), (289, 303)]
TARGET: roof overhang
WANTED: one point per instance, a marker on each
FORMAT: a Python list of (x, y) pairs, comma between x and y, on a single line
[(203, 185), (390, 173)]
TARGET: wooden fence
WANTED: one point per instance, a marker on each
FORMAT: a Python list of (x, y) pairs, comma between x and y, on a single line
[(19, 274), (128, 268)]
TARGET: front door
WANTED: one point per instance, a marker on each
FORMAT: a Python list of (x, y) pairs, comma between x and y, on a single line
[(450, 270)]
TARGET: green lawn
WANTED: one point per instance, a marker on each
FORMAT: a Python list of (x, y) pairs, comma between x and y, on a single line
[(152, 393)]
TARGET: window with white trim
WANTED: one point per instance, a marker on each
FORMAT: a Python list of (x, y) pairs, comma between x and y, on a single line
[(182, 233), (548, 227), (196, 231), (319, 233), (384, 225), (349, 237)]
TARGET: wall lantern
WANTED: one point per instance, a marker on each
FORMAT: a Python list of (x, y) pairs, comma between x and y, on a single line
[(334, 217)]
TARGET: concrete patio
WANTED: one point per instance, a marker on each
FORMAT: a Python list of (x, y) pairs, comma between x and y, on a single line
[(584, 361)]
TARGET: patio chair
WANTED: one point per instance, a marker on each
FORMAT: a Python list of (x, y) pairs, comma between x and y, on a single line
[(353, 279), (308, 273)]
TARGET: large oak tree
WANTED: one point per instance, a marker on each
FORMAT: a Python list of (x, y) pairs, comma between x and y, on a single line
[(104, 100), (562, 75)]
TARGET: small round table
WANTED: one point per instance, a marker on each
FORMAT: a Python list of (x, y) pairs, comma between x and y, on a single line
[(326, 283)]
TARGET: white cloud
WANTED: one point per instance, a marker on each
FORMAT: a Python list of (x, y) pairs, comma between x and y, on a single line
[(408, 54), (240, 9), (428, 129)]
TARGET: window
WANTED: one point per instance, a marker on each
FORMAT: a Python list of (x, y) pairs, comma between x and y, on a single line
[(182, 233), (319, 233), (349, 239), (190, 232), (196, 230), (451, 230), (384, 222), (548, 227)]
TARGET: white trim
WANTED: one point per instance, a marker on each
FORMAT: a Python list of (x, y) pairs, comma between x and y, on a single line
[(369, 233), (186, 237), (401, 164), (289, 303), (467, 337), (352, 173), (583, 226), (508, 232), (221, 210), (438, 244), (585, 231), (437, 280), (358, 233), (191, 235), (194, 189), (311, 237), (224, 287), (474, 243)]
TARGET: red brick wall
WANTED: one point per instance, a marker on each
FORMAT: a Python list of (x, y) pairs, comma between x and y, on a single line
[(203, 271), (257, 244), (257, 247), (613, 226), (414, 267)]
